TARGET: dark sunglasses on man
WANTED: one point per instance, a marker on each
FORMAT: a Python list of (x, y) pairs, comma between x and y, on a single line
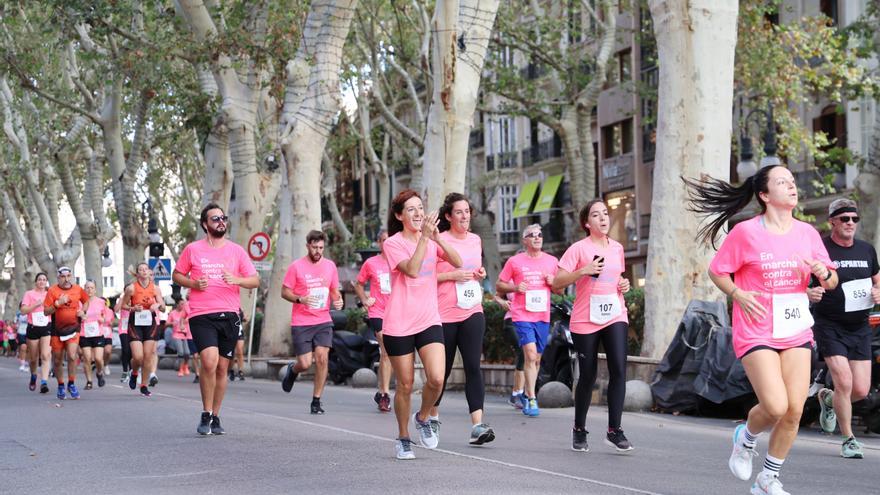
[(848, 218), (219, 218)]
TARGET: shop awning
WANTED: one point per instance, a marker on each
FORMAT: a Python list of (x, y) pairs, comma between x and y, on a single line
[(548, 193), (524, 201)]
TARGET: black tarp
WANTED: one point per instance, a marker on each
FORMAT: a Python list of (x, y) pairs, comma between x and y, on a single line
[(699, 365)]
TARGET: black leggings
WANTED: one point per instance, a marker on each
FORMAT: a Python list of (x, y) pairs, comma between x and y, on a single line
[(125, 343), (467, 335), (513, 338), (613, 338)]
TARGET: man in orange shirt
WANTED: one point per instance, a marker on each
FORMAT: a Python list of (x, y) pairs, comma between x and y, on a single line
[(66, 303)]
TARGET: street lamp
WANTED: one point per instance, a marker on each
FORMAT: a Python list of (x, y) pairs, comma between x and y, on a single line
[(747, 166), (157, 248), (106, 262)]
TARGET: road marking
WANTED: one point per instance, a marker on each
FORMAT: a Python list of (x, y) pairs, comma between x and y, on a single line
[(154, 476), (442, 451)]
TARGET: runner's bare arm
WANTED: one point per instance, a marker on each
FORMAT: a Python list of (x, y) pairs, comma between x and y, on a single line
[(411, 267), (362, 295), (288, 295), (503, 287)]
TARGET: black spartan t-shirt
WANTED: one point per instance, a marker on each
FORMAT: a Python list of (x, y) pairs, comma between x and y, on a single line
[(857, 262)]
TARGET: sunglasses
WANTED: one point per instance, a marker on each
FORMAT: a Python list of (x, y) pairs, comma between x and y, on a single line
[(219, 218), (847, 219), (534, 235)]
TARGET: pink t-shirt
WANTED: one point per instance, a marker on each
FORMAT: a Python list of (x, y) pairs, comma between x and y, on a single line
[(412, 305), (179, 325), (305, 278), (94, 314), (201, 259), (123, 322), (375, 271), (31, 297), (108, 321), (521, 267), (576, 257), (471, 251), (773, 265)]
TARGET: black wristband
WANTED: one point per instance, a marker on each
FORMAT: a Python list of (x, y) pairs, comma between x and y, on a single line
[(827, 277)]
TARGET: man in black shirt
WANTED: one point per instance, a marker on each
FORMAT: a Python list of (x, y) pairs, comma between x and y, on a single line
[(842, 333)]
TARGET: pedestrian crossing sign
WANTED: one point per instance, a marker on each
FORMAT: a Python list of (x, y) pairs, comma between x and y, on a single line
[(161, 268)]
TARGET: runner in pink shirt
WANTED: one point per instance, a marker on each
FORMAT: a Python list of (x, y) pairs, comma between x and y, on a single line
[(312, 285), (38, 332), (107, 332), (214, 270), (375, 272), (181, 334), (460, 300), (91, 336), (529, 276), (595, 265), (412, 321), (124, 340), (764, 265)]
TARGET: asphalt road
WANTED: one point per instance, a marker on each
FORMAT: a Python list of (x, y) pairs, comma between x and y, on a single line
[(114, 441)]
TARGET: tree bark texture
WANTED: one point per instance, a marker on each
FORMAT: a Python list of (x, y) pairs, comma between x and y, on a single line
[(696, 40)]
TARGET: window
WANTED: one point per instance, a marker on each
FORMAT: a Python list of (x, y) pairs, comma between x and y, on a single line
[(833, 124), (829, 8), (617, 139), (508, 226), (109, 281), (622, 210), (624, 62)]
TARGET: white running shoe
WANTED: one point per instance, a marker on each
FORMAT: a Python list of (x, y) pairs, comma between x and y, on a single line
[(768, 484), (740, 462), (426, 434), (403, 449)]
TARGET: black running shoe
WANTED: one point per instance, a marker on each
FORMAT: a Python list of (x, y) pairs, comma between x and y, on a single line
[(240, 376), (579, 441), (154, 380), (196, 379), (316, 407), (88, 385), (230, 375), (289, 378), (32, 385), (145, 392), (617, 439), (216, 429), (44, 388), (204, 424), (132, 381), (377, 397), (101, 381)]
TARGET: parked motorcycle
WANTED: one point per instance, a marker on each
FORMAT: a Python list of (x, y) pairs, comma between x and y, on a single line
[(868, 408), (559, 361), (351, 351)]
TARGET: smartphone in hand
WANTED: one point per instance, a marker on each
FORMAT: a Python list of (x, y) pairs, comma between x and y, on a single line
[(601, 260)]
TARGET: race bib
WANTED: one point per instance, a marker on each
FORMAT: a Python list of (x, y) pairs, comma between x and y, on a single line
[(857, 294), (143, 318), (536, 301), (468, 294), (791, 314), (385, 283), (321, 294), (92, 329), (40, 319), (604, 308)]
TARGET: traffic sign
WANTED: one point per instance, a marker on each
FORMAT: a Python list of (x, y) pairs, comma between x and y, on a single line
[(258, 246), (161, 268)]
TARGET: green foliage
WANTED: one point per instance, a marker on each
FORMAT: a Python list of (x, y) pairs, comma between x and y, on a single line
[(801, 62), (498, 347)]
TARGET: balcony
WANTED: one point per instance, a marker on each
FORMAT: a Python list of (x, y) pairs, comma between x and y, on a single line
[(552, 148), (501, 161)]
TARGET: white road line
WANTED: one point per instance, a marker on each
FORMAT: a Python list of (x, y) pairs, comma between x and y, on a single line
[(442, 451)]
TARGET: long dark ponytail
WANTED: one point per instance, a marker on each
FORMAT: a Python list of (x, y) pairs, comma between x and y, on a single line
[(710, 197)]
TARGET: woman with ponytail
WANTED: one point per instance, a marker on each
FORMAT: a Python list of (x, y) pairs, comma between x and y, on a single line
[(764, 265)]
